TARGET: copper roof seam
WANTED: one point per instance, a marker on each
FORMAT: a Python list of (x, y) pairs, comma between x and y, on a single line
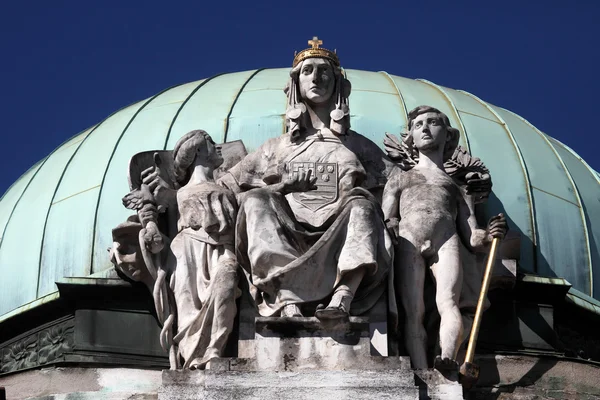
[(570, 150), (556, 196), (204, 82), (19, 178), (20, 197), (52, 202), (114, 150), (75, 194), (528, 186), (402, 102), (37, 287), (480, 116), (577, 196), (235, 99), (373, 91), (28, 183)]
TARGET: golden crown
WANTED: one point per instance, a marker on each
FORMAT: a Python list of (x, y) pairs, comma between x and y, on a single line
[(316, 52)]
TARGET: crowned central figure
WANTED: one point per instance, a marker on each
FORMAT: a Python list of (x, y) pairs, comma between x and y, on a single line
[(310, 232)]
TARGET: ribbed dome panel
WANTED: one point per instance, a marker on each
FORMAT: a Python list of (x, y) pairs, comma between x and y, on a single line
[(56, 219)]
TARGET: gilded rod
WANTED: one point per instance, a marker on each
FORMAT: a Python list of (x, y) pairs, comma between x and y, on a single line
[(482, 294)]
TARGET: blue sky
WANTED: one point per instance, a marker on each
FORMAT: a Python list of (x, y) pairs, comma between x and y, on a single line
[(68, 64)]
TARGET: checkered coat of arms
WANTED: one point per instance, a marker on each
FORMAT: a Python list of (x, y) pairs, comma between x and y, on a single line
[(327, 183)]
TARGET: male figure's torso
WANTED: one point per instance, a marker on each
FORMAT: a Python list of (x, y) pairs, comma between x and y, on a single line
[(428, 206)]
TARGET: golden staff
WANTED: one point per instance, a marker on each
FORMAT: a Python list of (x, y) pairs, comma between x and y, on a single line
[(470, 371)]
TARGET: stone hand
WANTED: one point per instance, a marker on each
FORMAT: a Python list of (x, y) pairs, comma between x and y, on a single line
[(392, 226), (153, 238), (478, 183), (497, 227), (301, 183), (163, 194)]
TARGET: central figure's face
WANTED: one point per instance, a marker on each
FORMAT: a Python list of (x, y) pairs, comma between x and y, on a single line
[(428, 131), (316, 80)]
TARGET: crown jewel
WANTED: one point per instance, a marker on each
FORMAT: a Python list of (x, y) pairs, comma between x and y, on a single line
[(316, 52)]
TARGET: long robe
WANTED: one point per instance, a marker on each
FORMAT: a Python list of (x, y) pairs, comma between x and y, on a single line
[(204, 272), (295, 251)]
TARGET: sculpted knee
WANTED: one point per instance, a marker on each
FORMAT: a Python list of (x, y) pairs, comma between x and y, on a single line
[(226, 277), (255, 198), (363, 209), (446, 304), (414, 316)]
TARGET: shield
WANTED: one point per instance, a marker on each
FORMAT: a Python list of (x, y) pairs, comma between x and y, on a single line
[(327, 183)]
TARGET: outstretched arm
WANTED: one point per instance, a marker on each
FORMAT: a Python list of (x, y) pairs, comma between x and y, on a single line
[(304, 182), (164, 195)]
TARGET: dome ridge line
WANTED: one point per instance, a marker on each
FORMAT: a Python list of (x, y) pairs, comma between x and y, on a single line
[(95, 224), (235, 101), (531, 208), (200, 85), (23, 174), (402, 102), (595, 174), (577, 196), (37, 290), (21, 195), (43, 161), (37, 287)]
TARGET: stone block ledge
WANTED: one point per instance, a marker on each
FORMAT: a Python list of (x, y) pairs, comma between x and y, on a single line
[(393, 383), (375, 363)]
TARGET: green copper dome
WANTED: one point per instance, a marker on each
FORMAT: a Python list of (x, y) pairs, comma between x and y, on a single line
[(56, 219)]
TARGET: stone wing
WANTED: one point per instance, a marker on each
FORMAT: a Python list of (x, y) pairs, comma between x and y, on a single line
[(399, 152), (471, 172)]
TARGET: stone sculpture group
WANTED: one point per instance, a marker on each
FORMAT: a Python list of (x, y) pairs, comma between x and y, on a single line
[(316, 222)]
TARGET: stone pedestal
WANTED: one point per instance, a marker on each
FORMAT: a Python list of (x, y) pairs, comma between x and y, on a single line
[(302, 358), (221, 383), (292, 344), (433, 386), (264, 385)]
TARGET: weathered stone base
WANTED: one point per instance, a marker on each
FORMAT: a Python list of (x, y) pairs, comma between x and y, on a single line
[(523, 377), (77, 383), (304, 358), (220, 383), (263, 385), (291, 344), (433, 386)]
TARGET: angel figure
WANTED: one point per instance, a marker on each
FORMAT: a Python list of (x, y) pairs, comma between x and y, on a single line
[(433, 217)]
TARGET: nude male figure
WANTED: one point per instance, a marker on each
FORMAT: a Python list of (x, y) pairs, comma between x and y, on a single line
[(432, 216)]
